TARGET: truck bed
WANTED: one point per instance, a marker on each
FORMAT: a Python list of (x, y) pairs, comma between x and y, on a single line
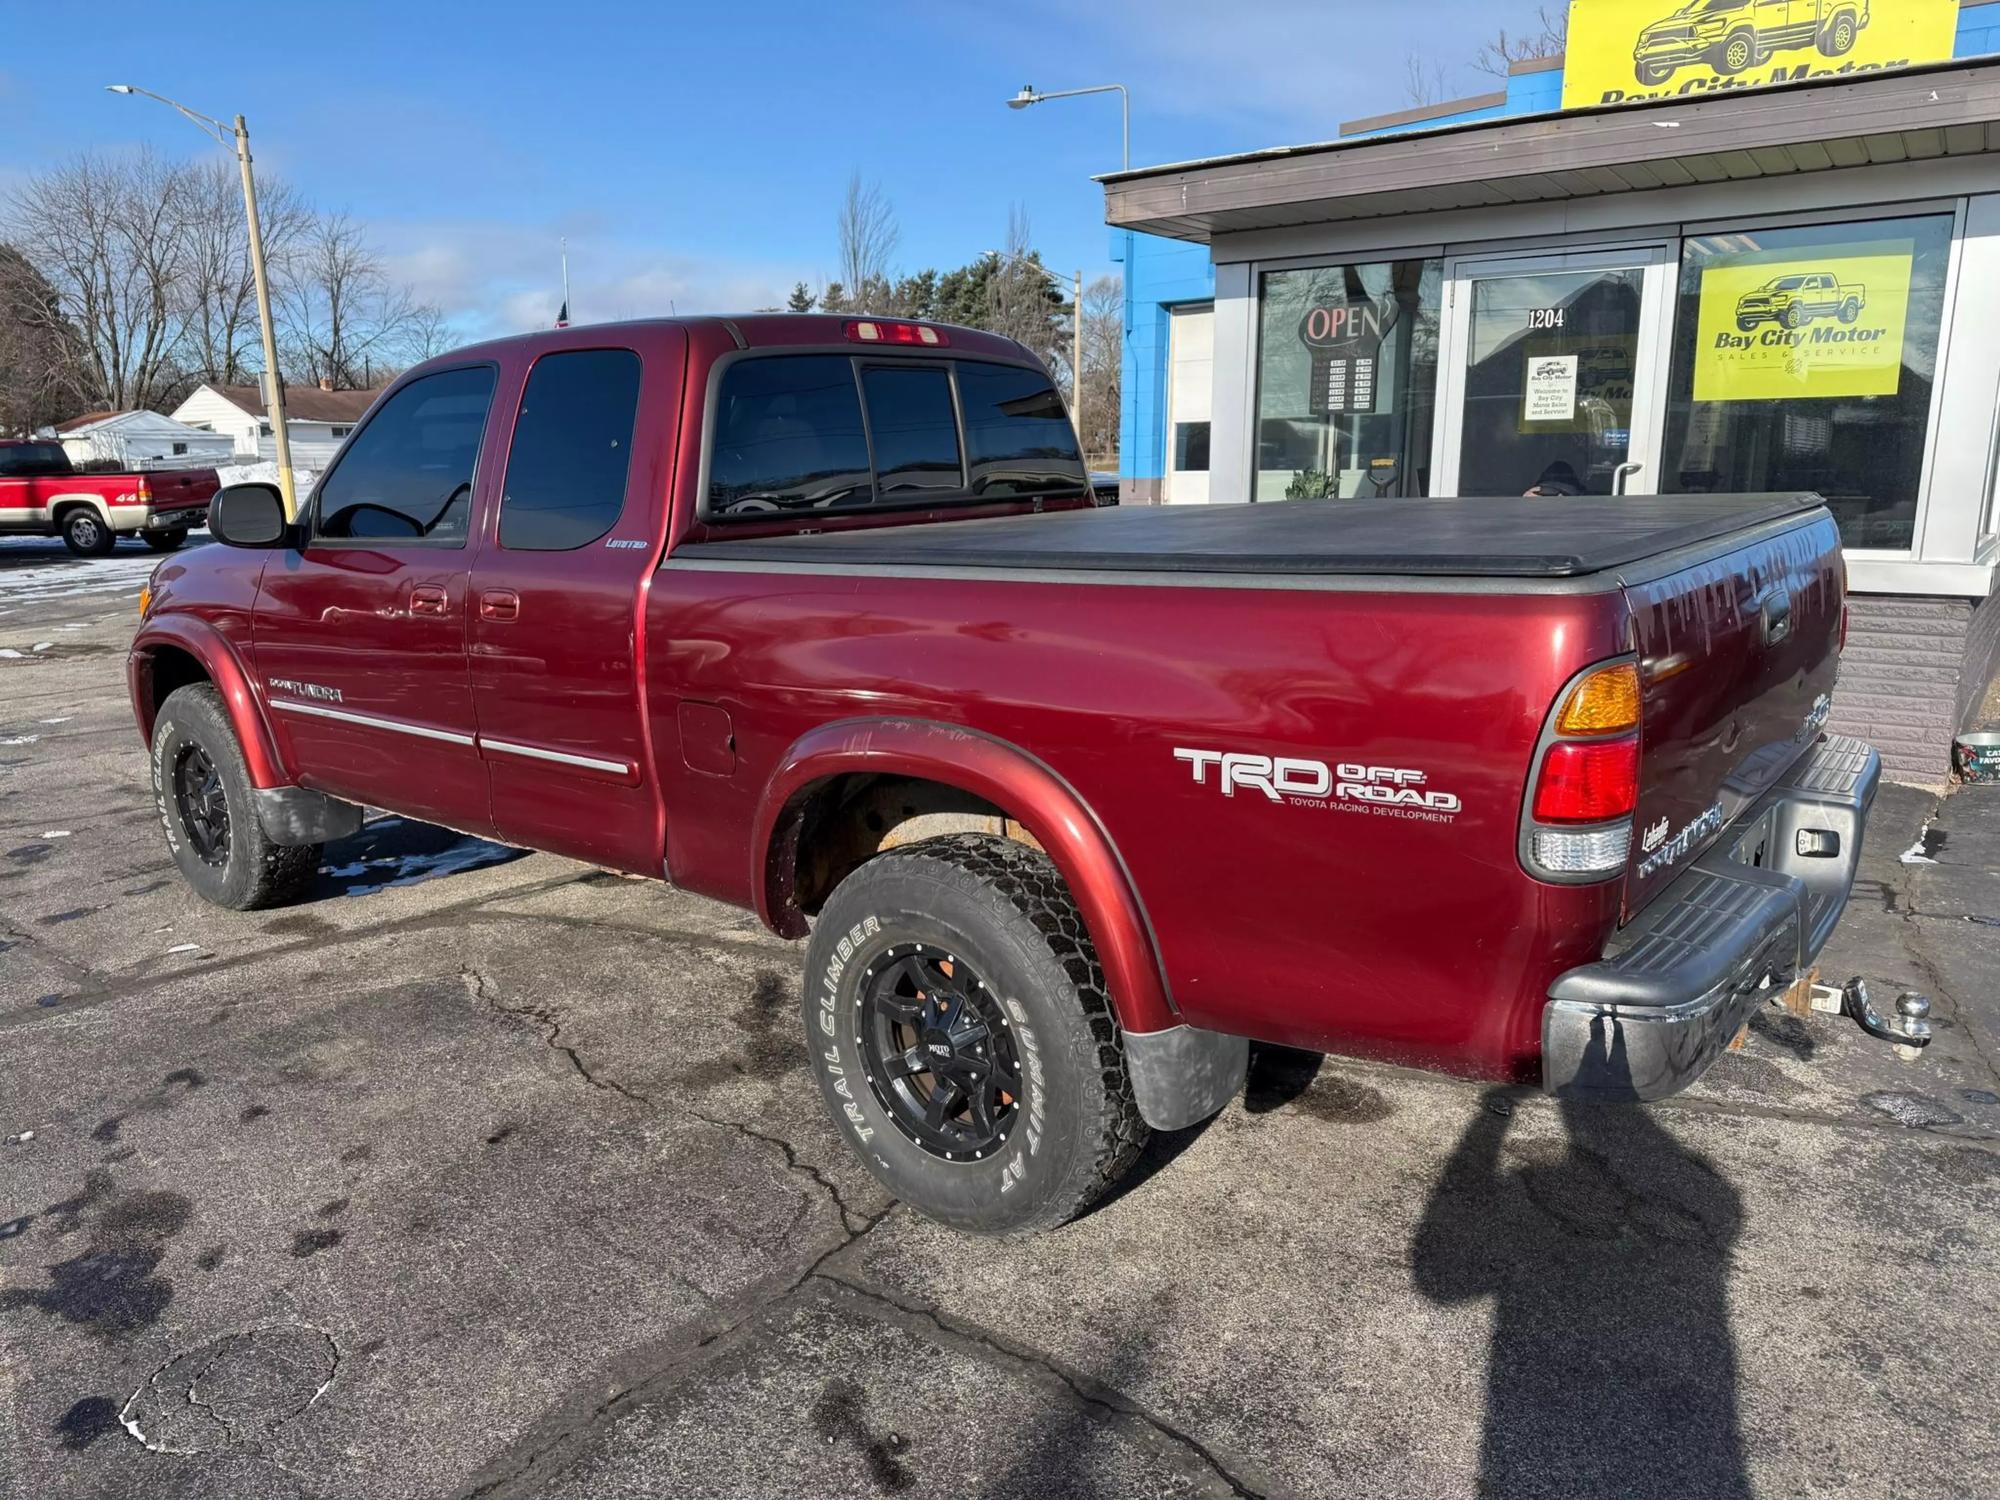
[(1512, 537)]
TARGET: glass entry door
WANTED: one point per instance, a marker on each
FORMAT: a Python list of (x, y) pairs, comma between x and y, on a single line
[(1554, 370)]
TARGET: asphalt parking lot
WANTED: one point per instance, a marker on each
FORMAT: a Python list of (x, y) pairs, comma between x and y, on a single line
[(484, 1173)]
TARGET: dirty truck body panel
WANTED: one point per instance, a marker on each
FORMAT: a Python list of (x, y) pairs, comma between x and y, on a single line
[(1290, 761)]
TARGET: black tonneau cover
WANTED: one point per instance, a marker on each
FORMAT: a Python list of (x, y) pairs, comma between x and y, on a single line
[(1514, 537)]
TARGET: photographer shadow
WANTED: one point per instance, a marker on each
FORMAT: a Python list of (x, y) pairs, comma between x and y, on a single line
[(1612, 1369)]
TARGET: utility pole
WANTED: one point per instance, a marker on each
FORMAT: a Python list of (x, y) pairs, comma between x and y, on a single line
[(1076, 369), (238, 139), (274, 381)]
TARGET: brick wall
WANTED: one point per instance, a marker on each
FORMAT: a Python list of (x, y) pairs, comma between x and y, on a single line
[(1899, 681), (1982, 660)]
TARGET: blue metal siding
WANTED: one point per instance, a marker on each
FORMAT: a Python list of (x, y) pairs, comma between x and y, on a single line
[(1161, 274)]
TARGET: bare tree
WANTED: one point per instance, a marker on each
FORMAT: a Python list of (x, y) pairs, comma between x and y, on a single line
[(1024, 301), (1103, 366), (1423, 82), (109, 238), (220, 334), (868, 238), (1549, 39), (341, 319)]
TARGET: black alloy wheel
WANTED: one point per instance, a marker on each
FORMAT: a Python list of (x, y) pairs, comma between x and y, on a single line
[(938, 1052), (203, 805)]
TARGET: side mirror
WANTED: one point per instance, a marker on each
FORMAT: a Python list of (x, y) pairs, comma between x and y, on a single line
[(248, 515)]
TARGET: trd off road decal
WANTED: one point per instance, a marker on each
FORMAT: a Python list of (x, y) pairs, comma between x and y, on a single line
[(1348, 786)]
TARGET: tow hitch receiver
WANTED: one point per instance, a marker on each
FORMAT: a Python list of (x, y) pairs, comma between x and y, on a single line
[(1910, 1031)]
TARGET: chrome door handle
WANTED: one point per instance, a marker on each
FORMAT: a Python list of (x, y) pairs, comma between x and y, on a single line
[(1618, 475), (428, 599), (499, 604)]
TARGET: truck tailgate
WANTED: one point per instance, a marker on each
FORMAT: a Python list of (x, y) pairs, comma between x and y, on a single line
[(174, 488), (1737, 661)]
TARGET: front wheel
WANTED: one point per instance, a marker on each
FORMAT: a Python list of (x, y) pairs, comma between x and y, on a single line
[(1737, 53), (956, 1016), (1796, 316), (1651, 73), (85, 534), (164, 541), (201, 787)]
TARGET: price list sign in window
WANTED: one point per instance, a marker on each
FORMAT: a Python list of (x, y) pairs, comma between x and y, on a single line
[(1346, 342)]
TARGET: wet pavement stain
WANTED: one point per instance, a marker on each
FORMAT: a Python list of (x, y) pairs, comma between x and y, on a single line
[(84, 1423), (1786, 1031), (311, 1241), (110, 1289), (838, 1416), (1912, 1109)]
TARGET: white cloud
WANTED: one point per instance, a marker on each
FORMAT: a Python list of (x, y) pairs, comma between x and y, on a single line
[(495, 279)]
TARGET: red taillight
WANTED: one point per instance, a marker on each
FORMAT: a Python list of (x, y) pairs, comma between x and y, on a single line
[(1588, 782), (876, 331)]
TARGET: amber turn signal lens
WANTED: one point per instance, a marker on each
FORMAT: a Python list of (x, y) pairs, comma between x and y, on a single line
[(1605, 702), (145, 600)]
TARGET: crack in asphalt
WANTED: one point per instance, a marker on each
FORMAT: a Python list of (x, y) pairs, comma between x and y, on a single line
[(549, 1024), (1086, 1389), (747, 1309)]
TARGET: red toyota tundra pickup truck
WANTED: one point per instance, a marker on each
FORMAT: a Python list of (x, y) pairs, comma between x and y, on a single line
[(42, 494), (817, 617)]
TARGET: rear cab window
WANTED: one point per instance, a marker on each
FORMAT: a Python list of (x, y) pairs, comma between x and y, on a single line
[(571, 449), (834, 433)]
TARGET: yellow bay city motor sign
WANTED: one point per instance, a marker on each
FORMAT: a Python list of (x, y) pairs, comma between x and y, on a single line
[(1626, 51)]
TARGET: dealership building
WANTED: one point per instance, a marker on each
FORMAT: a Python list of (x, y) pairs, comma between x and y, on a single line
[(1676, 262)]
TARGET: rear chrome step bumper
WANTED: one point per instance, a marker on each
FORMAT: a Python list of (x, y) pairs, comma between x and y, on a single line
[(1735, 930)]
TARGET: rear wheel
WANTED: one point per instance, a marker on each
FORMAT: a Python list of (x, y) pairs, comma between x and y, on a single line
[(1838, 38), (164, 541), (202, 789), (957, 1018), (1850, 310), (85, 533)]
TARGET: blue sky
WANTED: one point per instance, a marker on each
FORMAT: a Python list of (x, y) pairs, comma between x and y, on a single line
[(696, 155)]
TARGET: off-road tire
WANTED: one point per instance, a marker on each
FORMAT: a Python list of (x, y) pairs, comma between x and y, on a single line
[(1653, 73), (85, 534), (1850, 311), (1830, 44), (163, 541), (1796, 316), (1002, 909), (1738, 51), (254, 873)]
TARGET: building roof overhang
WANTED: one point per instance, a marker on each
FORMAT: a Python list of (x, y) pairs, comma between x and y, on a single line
[(1942, 110)]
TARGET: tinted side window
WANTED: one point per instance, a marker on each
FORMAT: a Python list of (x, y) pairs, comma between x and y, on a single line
[(1017, 435), (788, 436), (407, 477), (572, 445), (915, 430), (24, 460)]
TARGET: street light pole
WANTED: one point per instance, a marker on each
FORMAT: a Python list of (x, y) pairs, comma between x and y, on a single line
[(1030, 95), (237, 138)]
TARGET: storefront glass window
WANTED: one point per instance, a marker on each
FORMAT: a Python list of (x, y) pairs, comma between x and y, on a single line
[(1347, 380), (1803, 360)]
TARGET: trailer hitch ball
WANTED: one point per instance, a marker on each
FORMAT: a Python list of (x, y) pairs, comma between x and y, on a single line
[(1909, 1031)]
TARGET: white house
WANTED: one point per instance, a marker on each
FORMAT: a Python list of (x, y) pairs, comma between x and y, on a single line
[(140, 440), (317, 419)]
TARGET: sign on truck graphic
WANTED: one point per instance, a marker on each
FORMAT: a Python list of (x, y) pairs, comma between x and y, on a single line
[(1624, 51), (1777, 325)]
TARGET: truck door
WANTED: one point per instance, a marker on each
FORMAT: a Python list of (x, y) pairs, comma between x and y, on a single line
[(558, 590), (360, 635)]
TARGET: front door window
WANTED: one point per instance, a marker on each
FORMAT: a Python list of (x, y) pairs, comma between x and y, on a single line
[(1549, 373)]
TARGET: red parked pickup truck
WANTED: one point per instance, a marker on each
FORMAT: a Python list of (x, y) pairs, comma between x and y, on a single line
[(817, 617), (41, 494)]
